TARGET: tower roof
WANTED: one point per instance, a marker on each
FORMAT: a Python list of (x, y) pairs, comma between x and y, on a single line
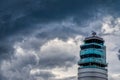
[(94, 36)]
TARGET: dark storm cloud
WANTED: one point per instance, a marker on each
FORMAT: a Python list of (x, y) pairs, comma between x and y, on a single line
[(18, 16), (5, 50), (113, 8), (2, 77)]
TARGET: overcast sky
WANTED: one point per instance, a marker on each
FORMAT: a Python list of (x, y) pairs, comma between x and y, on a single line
[(40, 39)]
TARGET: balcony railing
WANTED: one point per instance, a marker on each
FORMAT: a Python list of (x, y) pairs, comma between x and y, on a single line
[(97, 60), (104, 68)]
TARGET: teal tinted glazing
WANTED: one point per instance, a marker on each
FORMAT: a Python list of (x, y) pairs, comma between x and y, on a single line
[(92, 50)]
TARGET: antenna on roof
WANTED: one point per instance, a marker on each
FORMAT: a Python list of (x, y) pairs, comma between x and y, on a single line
[(93, 33)]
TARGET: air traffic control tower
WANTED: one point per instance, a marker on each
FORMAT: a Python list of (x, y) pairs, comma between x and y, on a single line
[(92, 63)]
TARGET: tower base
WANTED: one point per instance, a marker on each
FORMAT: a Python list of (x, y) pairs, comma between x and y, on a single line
[(92, 74)]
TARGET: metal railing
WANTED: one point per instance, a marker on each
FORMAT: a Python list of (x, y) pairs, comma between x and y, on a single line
[(98, 60)]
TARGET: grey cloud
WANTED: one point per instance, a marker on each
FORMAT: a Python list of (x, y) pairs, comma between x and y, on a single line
[(119, 54), (5, 50), (2, 77), (46, 75), (61, 61), (58, 32), (119, 51), (69, 78), (11, 73), (22, 62)]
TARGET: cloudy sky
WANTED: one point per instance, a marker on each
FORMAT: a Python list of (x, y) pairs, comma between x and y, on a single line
[(40, 39)]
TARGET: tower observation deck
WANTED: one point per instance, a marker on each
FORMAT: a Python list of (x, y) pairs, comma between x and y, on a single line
[(92, 63)]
